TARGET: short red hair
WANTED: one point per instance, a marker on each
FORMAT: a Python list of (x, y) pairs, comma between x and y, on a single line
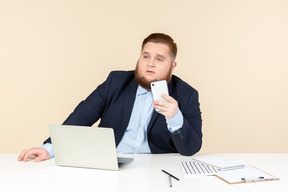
[(162, 38)]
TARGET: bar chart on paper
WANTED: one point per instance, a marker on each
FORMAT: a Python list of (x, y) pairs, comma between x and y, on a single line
[(191, 168)]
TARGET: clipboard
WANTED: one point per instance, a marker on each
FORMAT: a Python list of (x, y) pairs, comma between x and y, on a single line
[(248, 174), (220, 163)]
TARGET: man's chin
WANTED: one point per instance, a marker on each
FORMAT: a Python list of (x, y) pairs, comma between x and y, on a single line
[(145, 83), (150, 78)]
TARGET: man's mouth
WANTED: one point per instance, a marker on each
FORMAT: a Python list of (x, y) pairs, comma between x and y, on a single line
[(150, 72)]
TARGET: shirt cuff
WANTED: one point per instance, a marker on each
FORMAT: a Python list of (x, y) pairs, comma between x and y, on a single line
[(49, 148), (175, 122)]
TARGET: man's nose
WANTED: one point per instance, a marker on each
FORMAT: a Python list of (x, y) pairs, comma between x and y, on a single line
[(151, 63)]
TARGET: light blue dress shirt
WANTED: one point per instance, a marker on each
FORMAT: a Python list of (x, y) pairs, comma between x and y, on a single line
[(135, 137)]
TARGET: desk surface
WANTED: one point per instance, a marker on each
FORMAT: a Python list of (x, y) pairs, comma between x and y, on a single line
[(143, 174)]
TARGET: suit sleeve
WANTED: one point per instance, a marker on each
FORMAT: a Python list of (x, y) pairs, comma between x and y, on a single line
[(89, 110), (188, 139)]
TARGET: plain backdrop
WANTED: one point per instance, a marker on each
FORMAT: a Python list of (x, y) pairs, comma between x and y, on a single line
[(54, 53)]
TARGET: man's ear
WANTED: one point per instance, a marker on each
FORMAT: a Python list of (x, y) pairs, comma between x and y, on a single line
[(174, 64)]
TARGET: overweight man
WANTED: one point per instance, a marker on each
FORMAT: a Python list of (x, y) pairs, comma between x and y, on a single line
[(125, 103)]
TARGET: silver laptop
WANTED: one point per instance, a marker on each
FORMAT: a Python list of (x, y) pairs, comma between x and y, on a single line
[(89, 147)]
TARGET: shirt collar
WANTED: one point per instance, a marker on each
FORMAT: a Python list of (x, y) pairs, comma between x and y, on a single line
[(141, 91)]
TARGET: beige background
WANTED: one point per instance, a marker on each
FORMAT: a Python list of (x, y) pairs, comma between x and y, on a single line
[(234, 52)]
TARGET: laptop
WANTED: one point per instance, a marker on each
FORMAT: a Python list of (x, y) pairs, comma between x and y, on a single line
[(87, 147)]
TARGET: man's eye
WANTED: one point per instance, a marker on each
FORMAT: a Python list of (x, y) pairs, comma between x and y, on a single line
[(145, 56), (159, 59)]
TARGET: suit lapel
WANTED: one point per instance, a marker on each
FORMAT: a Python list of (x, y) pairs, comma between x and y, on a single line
[(130, 95), (155, 115)]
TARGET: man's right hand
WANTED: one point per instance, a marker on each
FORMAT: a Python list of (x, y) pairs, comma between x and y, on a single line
[(40, 153)]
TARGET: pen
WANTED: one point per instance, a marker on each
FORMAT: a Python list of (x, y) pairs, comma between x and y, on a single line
[(170, 181), (232, 168), (171, 175)]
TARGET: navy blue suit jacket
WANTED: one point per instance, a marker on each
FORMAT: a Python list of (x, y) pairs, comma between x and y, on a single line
[(113, 100)]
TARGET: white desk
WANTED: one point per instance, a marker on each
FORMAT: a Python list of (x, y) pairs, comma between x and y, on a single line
[(144, 174)]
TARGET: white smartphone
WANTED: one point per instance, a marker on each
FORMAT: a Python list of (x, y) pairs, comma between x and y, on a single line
[(158, 88)]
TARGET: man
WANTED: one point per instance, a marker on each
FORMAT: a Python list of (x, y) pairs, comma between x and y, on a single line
[(124, 102)]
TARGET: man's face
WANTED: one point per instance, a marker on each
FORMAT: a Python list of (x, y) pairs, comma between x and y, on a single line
[(154, 64)]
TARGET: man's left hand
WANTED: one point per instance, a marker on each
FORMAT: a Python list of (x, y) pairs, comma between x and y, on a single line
[(169, 109)]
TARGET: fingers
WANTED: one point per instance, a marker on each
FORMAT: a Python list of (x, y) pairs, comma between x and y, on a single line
[(38, 159), (169, 108), (21, 156), (168, 113), (40, 153), (44, 155), (25, 154), (41, 158), (168, 98)]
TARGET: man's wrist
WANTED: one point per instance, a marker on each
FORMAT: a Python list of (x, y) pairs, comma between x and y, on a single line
[(49, 148), (175, 122)]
